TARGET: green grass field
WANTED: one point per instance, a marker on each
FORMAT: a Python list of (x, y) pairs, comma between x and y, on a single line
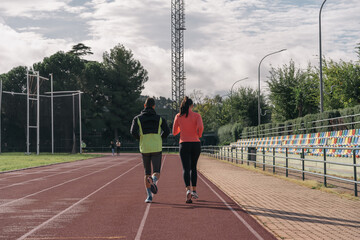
[(12, 161)]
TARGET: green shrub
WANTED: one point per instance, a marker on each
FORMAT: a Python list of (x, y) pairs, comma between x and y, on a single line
[(309, 122), (245, 132), (280, 129), (347, 112), (357, 118), (267, 130), (289, 127), (299, 125), (326, 125), (225, 136), (237, 130)]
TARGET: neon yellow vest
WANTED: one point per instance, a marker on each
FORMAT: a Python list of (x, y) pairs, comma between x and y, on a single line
[(151, 142)]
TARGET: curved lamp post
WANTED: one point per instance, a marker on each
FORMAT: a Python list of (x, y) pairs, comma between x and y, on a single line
[(235, 83), (259, 109), (232, 91), (320, 56)]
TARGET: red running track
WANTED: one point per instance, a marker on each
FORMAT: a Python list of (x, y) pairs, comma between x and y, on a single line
[(103, 198)]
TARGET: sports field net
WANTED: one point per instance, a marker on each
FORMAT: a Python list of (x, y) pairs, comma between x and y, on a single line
[(14, 123)]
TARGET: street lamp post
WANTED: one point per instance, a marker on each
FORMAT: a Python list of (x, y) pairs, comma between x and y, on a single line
[(259, 109), (235, 83), (320, 56), (231, 94)]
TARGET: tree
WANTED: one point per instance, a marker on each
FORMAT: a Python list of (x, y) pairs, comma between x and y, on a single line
[(125, 79), (15, 79), (66, 69), (243, 105), (293, 92), (197, 96), (342, 84), (80, 50), (214, 113)]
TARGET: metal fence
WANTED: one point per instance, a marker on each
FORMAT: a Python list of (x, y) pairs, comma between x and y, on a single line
[(336, 123), (273, 157)]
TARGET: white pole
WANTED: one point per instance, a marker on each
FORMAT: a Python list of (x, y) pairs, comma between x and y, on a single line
[(52, 113), (27, 114), (74, 138), (38, 115), (80, 121), (0, 110)]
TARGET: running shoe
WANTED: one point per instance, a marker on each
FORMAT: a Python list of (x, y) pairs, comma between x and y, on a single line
[(188, 196), (148, 199), (194, 195), (153, 186)]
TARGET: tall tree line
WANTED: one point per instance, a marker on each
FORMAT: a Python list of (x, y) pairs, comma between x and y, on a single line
[(111, 88), (292, 92)]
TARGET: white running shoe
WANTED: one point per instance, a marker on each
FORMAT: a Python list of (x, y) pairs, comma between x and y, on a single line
[(188, 196), (148, 199), (194, 195)]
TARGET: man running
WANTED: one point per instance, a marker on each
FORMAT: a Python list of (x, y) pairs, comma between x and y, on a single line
[(150, 129)]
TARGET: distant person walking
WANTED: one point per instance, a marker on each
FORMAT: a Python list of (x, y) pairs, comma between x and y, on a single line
[(83, 146), (150, 129), (190, 126), (112, 146), (118, 145)]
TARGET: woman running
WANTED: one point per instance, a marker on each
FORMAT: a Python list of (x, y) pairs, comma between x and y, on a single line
[(190, 126)]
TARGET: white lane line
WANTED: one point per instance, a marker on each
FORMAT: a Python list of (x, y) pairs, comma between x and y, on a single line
[(142, 224), (146, 213), (75, 204), (51, 175), (58, 185), (251, 229)]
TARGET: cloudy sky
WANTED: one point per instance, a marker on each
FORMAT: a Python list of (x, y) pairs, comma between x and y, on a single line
[(224, 41)]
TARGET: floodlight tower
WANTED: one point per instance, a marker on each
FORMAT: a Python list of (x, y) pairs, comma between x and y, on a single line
[(177, 52)]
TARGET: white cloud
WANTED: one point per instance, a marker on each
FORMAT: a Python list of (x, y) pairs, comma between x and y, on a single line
[(224, 40), (35, 8), (25, 48)]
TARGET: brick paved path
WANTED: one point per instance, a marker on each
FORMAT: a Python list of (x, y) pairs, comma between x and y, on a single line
[(288, 210)]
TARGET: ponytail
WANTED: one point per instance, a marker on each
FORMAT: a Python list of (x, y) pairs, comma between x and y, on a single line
[(185, 106)]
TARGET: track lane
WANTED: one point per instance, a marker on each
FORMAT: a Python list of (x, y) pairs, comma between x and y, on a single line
[(206, 218), (28, 172), (110, 205), (32, 231), (26, 191), (42, 175), (34, 210)]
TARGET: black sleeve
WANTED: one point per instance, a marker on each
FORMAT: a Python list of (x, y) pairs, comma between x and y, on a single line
[(134, 130), (165, 128)]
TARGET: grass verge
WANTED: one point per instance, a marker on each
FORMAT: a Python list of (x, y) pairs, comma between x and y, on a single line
[(14, 161)]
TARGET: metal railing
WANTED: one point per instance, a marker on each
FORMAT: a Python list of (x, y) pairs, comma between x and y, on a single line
[(286, 157), (276, 131)]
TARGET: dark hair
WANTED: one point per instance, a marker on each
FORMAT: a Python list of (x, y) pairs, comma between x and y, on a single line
[(185, 105), (150, 102)]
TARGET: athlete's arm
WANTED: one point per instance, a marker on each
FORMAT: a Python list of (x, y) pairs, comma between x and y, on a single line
[(176, 127), (134, 130)]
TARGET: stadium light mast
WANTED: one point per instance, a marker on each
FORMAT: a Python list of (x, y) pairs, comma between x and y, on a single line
[(177, 52), (320, 62)]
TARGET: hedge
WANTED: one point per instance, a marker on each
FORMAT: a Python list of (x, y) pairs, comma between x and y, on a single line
[(225, 136)]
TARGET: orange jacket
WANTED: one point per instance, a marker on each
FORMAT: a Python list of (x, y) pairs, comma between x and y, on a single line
[(190, 128)]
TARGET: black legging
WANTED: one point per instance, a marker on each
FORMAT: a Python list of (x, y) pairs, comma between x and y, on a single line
[(189, 154)]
